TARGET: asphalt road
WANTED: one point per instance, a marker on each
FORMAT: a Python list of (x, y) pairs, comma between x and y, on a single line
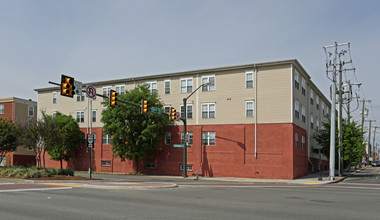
[(195, 202)]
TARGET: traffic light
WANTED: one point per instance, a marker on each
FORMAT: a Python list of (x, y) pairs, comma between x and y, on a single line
[(112, 98), (67, 86), (172, 114), (144, 106)]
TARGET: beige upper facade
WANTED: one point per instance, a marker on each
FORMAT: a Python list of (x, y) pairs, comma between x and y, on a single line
[(245, 94), (20, 111)]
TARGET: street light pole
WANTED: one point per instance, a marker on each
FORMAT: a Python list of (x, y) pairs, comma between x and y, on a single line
[(183, 118)]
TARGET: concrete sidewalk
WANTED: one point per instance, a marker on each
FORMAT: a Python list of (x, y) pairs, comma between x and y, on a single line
[(309, 179)]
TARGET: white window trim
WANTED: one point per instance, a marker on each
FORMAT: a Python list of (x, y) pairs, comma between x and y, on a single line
[(54, 97), (170, 87), (76, 116), (170, 140), (208, 87), (29, 106), (167, 106), (246, 108), (92, 115), (192, 110), (119, 86), (208, 138), (150, 83), (108, 90), (180, 85), (246, 79), (208, 109)]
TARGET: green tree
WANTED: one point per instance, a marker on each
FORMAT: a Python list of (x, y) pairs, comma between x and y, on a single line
[(34, 134), (8, 137), (63, 138), (353, 144), (135, 136)]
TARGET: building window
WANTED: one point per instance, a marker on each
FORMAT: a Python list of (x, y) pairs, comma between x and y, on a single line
[(189, 111), (317, 124), (249, 79), (311, 121), (106, 90), (311, 97), (249, 109), (208, 138), (190, 138), (187, 85), (296, 80), (106, 139), (80, 116), (296, 109), (317, 102), (1, 108), (327, 111), (303, 114), (150, 166), (120, 89), (93, 115), (303, 84), (106, 163), (208, 110), (167, 86), (30, 110), (303, 142), (54, 97), (168, 137), (189, 167), (208, 79), (296, 137), (80, 98), (323, 108), (152, 86), (167, 109)]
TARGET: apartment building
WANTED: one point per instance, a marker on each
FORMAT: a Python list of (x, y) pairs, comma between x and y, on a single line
[(253, 121), (19, 111)]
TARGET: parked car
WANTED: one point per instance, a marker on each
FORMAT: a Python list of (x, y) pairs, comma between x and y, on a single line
[(375, 163)]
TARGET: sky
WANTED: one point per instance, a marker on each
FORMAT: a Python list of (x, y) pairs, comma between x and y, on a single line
[(96, 40)]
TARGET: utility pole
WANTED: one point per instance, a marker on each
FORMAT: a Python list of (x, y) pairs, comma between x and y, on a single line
[(331, 66), (373, 142), (369, 139), (347, 88), (364, 112)]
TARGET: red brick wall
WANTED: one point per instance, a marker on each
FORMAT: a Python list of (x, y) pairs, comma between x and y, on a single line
[(232, 156), (8, 110)]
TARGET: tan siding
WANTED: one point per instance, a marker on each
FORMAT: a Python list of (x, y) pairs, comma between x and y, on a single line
[(274, 94)]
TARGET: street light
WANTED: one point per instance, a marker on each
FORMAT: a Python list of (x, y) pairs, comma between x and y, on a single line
[(183, 118)]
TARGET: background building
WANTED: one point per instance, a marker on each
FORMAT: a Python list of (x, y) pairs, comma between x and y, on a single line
[(19, 111), (254, 120)]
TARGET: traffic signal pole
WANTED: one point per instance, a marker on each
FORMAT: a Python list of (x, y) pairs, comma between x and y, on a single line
[(184, 117)]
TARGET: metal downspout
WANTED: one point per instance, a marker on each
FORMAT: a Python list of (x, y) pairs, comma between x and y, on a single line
[(255, 110)]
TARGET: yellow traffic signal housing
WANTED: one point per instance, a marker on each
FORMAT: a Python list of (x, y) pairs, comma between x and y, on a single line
[(67, 86), (112, 98), (172, 114), (144, 106)]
